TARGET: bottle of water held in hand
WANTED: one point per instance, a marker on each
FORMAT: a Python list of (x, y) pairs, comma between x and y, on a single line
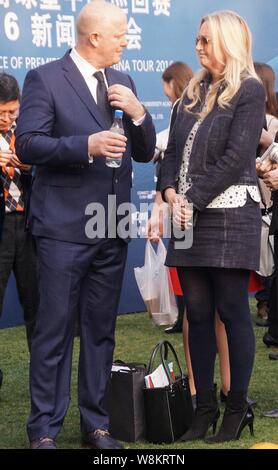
[(118, 128)]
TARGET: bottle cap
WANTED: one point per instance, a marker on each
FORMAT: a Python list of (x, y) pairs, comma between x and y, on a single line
[(119, 113)]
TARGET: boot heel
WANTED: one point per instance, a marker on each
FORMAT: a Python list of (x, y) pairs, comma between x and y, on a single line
[(251, 427), (214, 424), (247, 420)]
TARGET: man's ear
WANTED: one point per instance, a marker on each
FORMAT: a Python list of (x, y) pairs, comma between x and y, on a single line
[(94, 39)]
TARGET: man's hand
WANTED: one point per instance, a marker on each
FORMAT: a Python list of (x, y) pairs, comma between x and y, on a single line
[(106, 144), (121, 97), (8, 158), (5, 157), (16, 163)]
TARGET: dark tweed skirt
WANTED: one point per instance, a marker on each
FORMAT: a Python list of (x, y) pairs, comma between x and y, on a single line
[(222, 238)]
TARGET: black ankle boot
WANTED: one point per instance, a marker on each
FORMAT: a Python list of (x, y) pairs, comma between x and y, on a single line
[(223, 399), (238, 414), (206, 415)]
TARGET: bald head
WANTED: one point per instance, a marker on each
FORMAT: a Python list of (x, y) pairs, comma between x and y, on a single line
[(95, 16), (101, 29)]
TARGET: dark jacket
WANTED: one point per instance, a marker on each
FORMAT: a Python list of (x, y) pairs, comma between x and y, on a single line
[(224, 149), (57, 115)]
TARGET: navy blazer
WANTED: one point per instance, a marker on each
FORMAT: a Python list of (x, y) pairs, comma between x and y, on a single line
[(57, 115), (224, 148)]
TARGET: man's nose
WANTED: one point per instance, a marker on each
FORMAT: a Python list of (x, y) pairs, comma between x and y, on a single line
[(124, 43)]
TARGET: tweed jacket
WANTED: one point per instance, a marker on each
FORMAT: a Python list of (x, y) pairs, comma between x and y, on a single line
[(224, 148)]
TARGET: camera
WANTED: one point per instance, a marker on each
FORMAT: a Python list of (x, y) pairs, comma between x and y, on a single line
[(271, 153)]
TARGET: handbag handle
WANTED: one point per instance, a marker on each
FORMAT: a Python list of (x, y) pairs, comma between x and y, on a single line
[(132, 365), (153, 356), (163, 347)]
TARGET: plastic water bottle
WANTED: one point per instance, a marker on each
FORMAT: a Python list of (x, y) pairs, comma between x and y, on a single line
[(118, 128)]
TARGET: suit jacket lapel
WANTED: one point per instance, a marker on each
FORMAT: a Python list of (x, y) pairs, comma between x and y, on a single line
[(77, 82), (110, 77)]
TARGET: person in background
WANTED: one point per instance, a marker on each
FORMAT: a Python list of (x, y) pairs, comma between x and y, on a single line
[(267, 75), (174, 79), (210, 164), (17, 251), (63, 129), (269, 172)]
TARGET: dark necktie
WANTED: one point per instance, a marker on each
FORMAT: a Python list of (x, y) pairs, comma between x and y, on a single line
[(102, 99)]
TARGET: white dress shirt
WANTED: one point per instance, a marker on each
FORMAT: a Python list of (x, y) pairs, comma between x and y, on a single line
[(87, 71)]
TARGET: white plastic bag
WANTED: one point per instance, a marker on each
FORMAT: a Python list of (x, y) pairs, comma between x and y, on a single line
[(267, 249), (154, 283)]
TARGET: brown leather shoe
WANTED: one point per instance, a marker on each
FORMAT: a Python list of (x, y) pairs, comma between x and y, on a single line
[(100, 439), (43, 443), (263, 310)]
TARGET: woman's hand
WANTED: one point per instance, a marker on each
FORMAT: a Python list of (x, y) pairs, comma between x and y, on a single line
[(170, 194), (182, 212), (180, 208), (156, 223), (155, 227)]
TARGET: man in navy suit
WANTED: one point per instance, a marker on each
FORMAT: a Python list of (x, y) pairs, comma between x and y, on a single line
[(63, 130)]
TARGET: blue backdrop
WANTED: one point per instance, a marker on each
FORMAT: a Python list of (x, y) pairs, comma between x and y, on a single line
[(33, 32)]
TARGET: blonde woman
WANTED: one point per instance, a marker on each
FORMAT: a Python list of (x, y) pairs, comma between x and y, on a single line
[(210, 162)]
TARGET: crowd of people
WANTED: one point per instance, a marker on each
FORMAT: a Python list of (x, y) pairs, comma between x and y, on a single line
[(53, 167)]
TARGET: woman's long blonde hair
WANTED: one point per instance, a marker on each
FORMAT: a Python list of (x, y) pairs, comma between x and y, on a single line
[(232, 38)]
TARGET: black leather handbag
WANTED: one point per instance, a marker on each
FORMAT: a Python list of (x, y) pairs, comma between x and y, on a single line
[(125, 402), (169, 410)]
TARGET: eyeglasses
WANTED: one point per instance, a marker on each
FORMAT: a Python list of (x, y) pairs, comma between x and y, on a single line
[(204, 40), (11, 114)]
